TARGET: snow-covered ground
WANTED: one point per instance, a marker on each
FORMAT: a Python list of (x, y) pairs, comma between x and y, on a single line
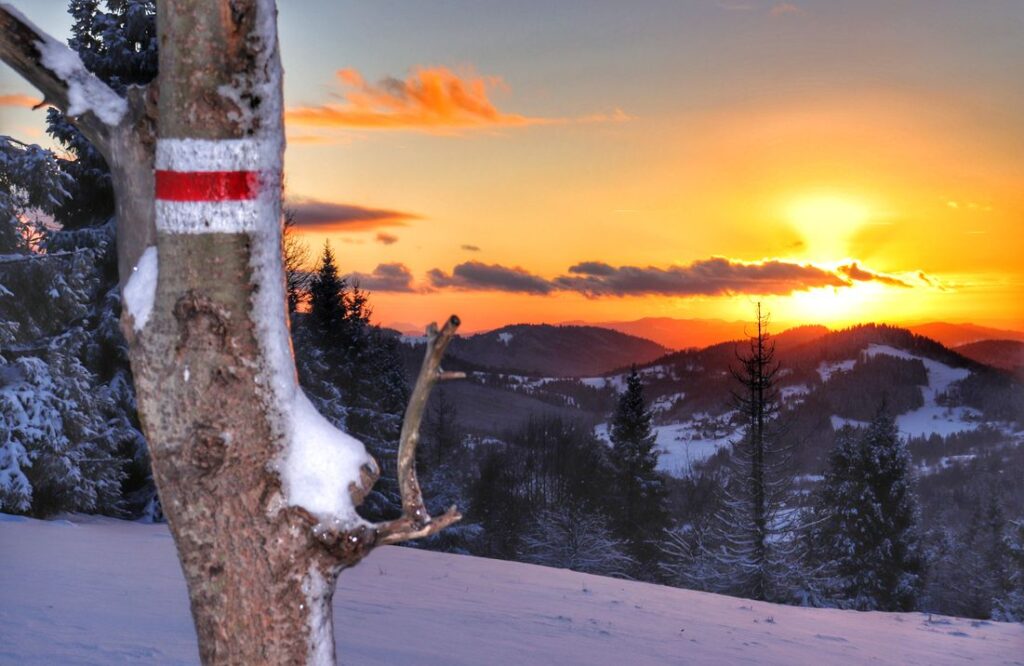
[(683, 444), (680, 445), (932, 417), (826, 370), (102, 591)]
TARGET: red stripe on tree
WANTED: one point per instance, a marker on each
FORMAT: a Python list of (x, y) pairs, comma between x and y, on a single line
[(206, 185)]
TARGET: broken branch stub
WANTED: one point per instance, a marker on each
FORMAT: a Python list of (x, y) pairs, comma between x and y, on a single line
[(416, 522)]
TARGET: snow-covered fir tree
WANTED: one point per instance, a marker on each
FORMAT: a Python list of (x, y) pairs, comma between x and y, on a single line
[(865, 533), (641, 513), (970, 570), (748, 547), (62, 290)]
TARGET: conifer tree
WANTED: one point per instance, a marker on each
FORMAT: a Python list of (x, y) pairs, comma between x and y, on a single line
[(327, 291), (866, 520), (640, 491), (748, 547)]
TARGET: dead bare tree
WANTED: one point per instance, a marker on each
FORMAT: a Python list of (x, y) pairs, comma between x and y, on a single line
[(259, 490)]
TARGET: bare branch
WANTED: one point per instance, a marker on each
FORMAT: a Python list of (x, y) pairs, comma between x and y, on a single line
[(26, 48), (416, 521)]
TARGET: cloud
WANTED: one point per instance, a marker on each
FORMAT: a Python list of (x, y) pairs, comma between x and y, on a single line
[(708, 277), (19, 100), (386, 238), (597, 268), (855, 272), (326, 216), (471, 248), (783, 8), (717, 276), (934, 282), (429, 98), (392, 277), (477, 276)]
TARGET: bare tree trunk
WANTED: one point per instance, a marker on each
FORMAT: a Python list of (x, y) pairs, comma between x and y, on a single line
[(205, 317)]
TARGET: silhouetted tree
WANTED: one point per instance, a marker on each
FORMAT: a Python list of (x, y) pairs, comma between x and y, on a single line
[(640, 515)]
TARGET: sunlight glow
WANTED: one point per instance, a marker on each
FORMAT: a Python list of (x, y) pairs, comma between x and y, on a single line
[(826, 223), (836, 305)]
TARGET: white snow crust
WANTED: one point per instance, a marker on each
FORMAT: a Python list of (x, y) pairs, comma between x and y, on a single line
[(140, 290), (319, 461), (90, 591), (85, 91)]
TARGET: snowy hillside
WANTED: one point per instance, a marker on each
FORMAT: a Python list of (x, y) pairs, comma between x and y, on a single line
[(101, 591)]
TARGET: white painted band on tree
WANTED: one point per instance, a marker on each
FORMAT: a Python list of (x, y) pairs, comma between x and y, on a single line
[(213, 186), (207, 217), (209, 155)]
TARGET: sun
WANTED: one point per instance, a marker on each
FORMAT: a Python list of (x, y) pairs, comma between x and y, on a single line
[(826, 223), (834, 305)]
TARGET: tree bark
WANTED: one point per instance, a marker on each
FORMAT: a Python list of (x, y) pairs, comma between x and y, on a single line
[(196, 161), (260, 584)]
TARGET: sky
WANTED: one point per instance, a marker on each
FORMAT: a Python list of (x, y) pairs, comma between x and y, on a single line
[(599, 160)]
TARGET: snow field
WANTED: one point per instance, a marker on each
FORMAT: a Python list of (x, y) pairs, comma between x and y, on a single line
[(103, 591)]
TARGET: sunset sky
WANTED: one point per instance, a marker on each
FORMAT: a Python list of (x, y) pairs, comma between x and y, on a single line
[(527, 161)]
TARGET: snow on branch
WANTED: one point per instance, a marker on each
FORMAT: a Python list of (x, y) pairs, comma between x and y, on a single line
[(59, 74)]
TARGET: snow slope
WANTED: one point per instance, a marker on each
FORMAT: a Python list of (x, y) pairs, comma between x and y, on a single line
[(932, 417), (102, 591)]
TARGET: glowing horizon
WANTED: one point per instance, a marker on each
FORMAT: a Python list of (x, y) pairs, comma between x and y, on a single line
[(597, 162)]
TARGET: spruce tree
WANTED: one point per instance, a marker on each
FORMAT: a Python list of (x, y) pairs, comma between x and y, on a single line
[(866, 532), (748, 548), (642, 514), (327, 291)]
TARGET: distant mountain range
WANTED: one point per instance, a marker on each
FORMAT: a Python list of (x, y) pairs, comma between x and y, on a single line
[(575, 371), (681, 333), (699, 333), (1005, 354), (555, 351), (955, 335), (677, 334)]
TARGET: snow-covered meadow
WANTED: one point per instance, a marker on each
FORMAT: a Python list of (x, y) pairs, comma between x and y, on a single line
[(102, 591)]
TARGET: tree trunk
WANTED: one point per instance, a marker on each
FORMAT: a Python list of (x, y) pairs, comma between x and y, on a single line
[(259, 490), (260, 584)]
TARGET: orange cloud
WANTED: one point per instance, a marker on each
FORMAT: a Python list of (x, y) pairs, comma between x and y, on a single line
[(430, 99), (19, 100)]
